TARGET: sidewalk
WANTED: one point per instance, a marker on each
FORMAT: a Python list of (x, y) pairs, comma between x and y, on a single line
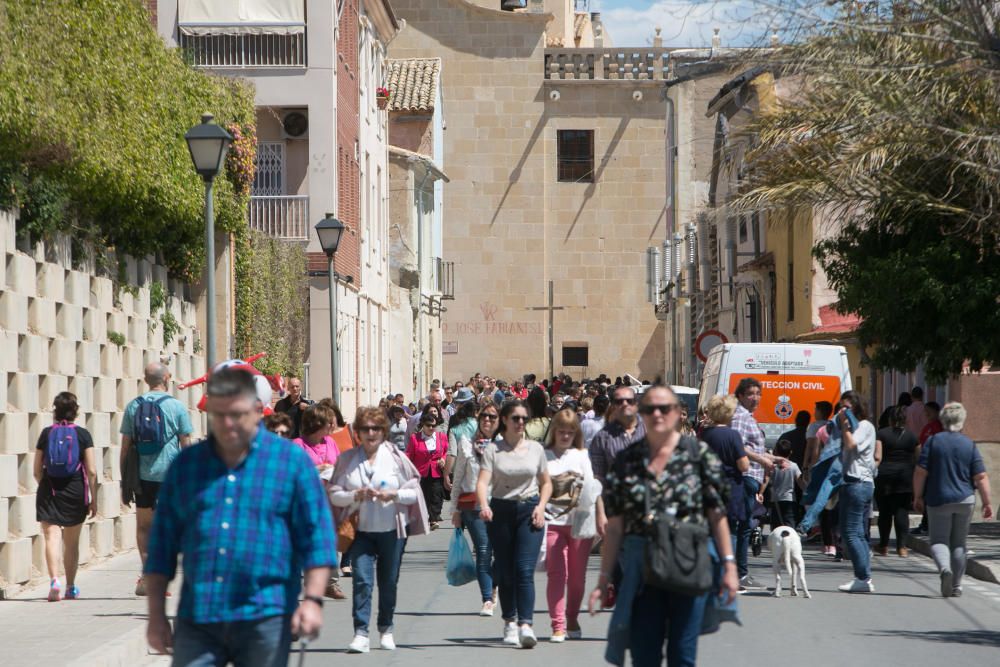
[(984, 543), (106, 627)]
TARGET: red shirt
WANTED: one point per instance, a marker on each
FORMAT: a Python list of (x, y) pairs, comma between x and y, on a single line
[(929, 430)]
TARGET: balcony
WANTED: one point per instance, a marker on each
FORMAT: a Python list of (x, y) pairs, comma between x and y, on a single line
[(607, 64), (265, 50), (281, 217)]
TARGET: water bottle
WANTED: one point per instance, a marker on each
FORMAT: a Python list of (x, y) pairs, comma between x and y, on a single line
[(382, 487)]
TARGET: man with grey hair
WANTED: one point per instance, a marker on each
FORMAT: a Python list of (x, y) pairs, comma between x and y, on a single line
[(435, 398), (947, 476), (158, 426)]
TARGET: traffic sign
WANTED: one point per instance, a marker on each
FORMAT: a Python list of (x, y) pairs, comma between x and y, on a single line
[(707, 341)]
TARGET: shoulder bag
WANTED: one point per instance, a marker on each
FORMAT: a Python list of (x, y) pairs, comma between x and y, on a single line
[(677, 556), (566, 489)]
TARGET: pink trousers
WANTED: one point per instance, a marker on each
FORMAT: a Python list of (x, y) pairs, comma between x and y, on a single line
[(566, 566)]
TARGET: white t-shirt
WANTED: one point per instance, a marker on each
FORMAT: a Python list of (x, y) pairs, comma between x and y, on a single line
[(572, 460), (383, 474), (859, 463)]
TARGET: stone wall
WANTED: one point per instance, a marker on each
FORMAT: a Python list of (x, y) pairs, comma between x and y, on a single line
[(57, 318)]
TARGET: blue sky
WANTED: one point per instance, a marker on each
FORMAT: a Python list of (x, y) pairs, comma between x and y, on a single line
[(685, 23)]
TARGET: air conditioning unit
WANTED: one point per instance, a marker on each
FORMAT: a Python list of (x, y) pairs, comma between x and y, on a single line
[(295, 125)]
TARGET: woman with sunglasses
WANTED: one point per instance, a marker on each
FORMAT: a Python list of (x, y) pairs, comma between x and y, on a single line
[(378, 484), (468, 461), (693, 490), (428, 449), (515, 473)]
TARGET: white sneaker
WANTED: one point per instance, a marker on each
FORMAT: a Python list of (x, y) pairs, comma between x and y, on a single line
[(858, 586), (387, 643), (526, 636), (510, 633), (487, 609), (558, 637), (359, 644)]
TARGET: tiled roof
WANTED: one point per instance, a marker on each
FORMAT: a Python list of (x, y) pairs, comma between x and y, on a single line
[(413, 84)]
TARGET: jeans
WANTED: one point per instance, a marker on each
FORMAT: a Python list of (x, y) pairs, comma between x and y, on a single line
[(566, 567), (894, 508), (375, 556), (516, 545), (949, 529), (741, 530), (658, 616), (855, 498), (260, 643), (433, 488), (784, 513), (484, 552)]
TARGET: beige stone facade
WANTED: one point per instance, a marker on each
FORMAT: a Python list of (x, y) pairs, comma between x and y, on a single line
[(511, 225)]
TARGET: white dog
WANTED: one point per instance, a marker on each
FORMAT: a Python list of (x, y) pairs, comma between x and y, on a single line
[(786, 553)]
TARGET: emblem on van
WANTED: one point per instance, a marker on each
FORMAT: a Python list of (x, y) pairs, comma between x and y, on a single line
[(784, 409)]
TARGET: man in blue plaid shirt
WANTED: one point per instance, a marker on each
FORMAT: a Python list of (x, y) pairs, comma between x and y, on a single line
[(249, 514)]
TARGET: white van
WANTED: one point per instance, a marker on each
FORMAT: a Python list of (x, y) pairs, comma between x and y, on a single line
[(793, 377)]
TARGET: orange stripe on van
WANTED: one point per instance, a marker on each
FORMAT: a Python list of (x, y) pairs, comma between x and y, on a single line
[(784, 395)]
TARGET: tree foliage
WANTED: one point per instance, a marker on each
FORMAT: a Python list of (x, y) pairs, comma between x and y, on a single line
[(272, 302), (93, 111), (889, 122)]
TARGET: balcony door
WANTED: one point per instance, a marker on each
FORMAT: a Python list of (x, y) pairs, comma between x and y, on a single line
[(269, 169)]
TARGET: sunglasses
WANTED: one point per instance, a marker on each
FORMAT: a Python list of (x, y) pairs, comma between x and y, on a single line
[(666, 409), (369, 429), (490, 417), (623, 401), (518, 418)]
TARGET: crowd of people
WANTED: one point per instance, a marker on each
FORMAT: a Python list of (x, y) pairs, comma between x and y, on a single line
[(271, 513)]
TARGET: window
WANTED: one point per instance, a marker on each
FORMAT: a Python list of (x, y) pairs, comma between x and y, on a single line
[(269, 169), (743, 229), (575, 354), (576, 156)]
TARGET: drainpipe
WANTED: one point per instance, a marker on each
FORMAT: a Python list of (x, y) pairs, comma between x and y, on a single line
[(671, 216), (419, 192)]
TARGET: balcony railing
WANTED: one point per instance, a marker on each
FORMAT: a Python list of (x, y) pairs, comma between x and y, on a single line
[(606, 64), (281, 217), (245, 51), (444, 278)]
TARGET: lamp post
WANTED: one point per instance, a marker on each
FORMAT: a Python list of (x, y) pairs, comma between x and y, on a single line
[(329, 230), (209, 144)]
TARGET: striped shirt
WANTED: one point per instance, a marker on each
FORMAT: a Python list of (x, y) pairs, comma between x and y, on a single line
[(608, 443), (246, 533), (753, 439)]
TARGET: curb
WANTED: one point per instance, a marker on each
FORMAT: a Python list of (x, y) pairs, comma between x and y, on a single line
[(128, 650), (973, 568)]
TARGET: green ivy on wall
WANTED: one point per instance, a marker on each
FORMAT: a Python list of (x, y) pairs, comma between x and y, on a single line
[(272, 302), (93, 111)]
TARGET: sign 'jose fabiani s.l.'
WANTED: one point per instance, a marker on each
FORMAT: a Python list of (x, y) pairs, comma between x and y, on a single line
[(491, 326)]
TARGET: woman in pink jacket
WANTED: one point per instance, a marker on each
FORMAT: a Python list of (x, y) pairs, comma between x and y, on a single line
[(427, 450)]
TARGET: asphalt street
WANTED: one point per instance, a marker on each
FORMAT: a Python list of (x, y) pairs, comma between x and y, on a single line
[(905, 623)]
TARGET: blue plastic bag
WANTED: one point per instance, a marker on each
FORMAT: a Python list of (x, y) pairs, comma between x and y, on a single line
[(461, 566)]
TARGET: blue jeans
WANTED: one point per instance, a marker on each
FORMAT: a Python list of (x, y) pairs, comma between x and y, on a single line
[(516, 545), (855, 498), (260, 643), (375, 556), (740, 530), (658, 616), (484, 551)]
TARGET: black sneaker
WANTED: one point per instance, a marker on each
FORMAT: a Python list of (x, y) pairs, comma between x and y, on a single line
[(918, 531), (748, 582)]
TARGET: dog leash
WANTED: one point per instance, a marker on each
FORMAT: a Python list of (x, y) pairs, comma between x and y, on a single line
[(303, 643)]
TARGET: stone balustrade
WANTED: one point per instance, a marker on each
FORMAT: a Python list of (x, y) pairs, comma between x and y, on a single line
[(607, 64)]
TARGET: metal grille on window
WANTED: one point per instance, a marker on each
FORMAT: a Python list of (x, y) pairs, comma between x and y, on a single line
[(269, 169)]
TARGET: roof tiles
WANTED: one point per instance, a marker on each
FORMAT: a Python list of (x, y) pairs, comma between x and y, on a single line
[(413, 84)]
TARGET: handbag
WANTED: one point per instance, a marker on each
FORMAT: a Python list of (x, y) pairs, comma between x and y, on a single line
[(467, 501), (677, 558), (566, 489), (346, 532)]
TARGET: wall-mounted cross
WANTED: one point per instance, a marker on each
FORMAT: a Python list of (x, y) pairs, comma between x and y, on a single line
[(551, 308)]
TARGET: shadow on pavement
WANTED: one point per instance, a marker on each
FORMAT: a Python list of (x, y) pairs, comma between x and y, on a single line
[(974, 637)]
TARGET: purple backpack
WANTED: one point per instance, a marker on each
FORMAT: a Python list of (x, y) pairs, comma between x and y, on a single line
[(62, 456)]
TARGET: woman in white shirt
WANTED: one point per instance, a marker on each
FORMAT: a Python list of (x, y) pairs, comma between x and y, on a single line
[(858, 458), (565, 556), (512, 490), (376, 482), (468, 459)]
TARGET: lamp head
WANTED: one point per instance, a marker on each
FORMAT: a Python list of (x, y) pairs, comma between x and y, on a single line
[(208, 144), (329, 230)]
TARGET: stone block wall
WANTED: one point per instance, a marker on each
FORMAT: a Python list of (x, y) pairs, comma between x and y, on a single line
[(57, 318)]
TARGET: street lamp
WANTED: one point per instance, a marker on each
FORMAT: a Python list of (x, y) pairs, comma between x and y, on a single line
[(209, 144), (330, 230)]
